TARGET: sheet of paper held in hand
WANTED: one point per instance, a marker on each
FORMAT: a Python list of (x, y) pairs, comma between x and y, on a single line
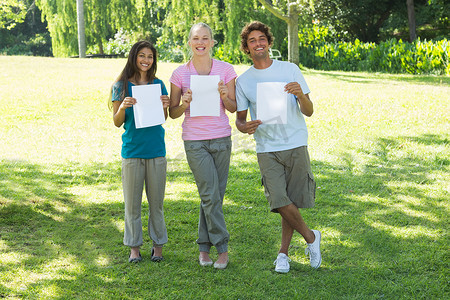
[(205, 96), (148, 110), (271, 102)]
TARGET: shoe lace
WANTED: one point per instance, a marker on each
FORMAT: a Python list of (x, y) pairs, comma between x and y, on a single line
[(309, 250), (282, 261)]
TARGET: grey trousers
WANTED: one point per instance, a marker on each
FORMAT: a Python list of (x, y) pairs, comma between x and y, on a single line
[(136, 172), (209, 161)]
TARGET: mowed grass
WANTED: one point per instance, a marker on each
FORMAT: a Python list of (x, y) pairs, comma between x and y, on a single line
[(380, 152)]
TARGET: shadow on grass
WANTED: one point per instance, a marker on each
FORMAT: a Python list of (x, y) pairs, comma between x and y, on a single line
[(44, 224), (387, 213), (382, 218)]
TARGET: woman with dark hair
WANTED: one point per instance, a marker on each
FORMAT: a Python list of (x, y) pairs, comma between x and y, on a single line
[(143, 153)]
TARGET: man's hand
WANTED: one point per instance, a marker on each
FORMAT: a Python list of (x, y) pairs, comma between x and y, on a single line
[(251, 126), (294, 88), (246, 127), (306, 106)]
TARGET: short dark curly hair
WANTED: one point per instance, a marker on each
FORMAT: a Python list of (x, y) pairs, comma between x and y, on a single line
[(255, 25)]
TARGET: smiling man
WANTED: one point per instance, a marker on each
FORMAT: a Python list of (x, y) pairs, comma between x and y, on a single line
[(281, 147)]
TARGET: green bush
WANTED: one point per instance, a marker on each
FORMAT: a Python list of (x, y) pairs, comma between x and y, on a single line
[(40, 44), (121, 44), (37, 45), (391, 56), (123, 41), (171, 50)]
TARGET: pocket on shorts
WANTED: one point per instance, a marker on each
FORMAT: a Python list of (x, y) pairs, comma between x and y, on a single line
[(266, 190), (303, 196), (311, 187)]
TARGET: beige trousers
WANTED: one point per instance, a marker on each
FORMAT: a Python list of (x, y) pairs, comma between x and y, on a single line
[(135, 173)]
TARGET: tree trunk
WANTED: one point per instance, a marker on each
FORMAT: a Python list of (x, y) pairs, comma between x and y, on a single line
[(293, 55), (100, 46), (411, 20), (292, 21), (81, 30), (33, 17)]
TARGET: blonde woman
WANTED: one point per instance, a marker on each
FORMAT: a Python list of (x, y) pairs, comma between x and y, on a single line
[(207, 140)]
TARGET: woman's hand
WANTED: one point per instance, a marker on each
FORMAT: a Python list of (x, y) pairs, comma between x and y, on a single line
[(223, 91), (165, 101), (186, 99), (119, 108), (227, 94), (127, 102)]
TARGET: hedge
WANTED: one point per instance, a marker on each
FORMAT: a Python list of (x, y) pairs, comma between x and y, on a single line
[(391, 56)]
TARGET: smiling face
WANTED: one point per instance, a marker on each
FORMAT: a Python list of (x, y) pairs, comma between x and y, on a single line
[(201, 41), (144, 60), (258, 45)]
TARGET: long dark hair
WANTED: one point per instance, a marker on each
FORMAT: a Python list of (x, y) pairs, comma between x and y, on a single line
[(131, 70)]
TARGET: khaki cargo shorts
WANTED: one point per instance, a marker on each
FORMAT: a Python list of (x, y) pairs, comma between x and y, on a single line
[(287, 178)]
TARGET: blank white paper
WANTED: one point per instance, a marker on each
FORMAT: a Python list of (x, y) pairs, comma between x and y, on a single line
[(271, 102), (148, 110), (205, 95)]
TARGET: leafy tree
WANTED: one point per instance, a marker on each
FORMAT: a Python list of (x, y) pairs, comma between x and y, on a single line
[(167, 22), (375, 20), (225, 17), (360, 19), (62, 25), (182, 14), (12, 12), (441, 13), (61, 16), (103, 18), (236, 14), (27, 38), (432, 18)]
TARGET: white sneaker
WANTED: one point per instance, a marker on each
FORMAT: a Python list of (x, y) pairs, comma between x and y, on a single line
[(314, 251), (282, 263)]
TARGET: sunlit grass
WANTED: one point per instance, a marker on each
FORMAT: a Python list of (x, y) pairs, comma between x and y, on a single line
[(379, 147)]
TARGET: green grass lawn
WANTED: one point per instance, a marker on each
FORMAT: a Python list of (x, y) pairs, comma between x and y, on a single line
[(380, 151)]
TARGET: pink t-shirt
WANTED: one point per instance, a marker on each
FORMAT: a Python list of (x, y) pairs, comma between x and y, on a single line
[(204, 128)]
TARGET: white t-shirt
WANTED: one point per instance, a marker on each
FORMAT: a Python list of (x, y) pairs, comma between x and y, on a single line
[(274, 137)]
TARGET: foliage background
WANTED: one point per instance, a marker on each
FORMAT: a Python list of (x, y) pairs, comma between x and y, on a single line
[(112, 26), (391, 56)]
